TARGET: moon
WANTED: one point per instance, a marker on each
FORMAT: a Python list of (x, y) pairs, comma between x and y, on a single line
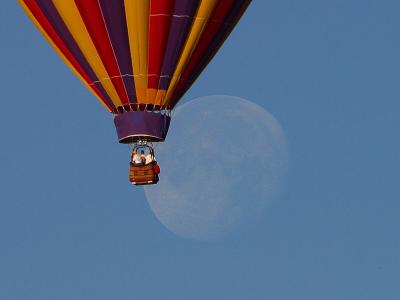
[(223, 162)]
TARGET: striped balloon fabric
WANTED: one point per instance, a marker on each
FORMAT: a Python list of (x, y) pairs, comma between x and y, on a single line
[(136, 54)]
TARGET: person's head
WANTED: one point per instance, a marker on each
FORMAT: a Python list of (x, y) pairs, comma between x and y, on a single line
[(142, 152), (134, 151)]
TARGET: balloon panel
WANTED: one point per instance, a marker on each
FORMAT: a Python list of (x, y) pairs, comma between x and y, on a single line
[(136, 52)]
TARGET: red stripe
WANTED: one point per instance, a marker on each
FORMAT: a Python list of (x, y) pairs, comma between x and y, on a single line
[(48, 28), (93, 18), (159, 23)]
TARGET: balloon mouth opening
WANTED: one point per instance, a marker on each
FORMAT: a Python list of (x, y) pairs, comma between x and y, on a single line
[(141, 125), (133, 139)]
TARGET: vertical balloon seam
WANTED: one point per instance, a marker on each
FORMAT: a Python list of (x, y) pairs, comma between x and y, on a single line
[(114, 56), (150, 91), (92, 17), (159, 23), (62, 55), (53, 17), (213, 26), (134, 13), (223, 34), (72, 19), (113, 46), (143, 39), (181, 23), (221, 5), (200, 21), (132, 36), (205, 46), (235, 14)]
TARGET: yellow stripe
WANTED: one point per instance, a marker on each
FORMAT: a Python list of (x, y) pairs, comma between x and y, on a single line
[(73, 20), (137, 16), (204, 13), (41, 29)]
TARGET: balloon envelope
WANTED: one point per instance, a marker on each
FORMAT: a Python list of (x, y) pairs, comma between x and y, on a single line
[(136, 55)]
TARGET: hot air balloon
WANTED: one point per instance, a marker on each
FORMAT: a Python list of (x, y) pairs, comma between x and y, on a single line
[(138, 57)]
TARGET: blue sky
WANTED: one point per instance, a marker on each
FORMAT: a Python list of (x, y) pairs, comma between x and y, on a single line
[(72, 228)]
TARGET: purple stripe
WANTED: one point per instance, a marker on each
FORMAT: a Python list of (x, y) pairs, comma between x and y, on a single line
[(151, 126), (115, 19), (59, 26), (179, 30), (226, 28)]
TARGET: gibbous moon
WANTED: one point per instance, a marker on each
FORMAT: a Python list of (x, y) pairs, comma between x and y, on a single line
[(223, 162)]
